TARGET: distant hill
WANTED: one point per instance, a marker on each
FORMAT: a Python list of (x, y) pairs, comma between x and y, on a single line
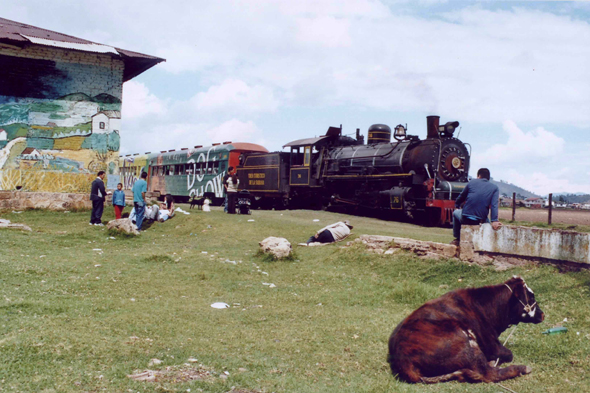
[(574, 198), (508, 188)]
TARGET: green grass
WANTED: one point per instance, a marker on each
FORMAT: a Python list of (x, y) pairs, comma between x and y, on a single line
[(567, 227), (66, 323)]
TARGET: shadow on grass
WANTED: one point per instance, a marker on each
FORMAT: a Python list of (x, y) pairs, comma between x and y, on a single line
[(264, 257)]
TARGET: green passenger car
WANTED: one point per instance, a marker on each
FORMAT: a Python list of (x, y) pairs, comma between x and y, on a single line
[(186, 172)]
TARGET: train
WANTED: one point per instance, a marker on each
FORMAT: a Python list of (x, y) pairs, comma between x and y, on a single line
[(409, 178), (187, 172)]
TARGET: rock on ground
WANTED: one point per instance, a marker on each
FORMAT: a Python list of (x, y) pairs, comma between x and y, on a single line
[(277, 246), (8, 224), (123, 225)]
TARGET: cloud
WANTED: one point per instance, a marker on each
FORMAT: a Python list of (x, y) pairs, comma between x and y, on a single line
[(543, 184), (234, 95), (139, 102), (235, 131), (523, 146)]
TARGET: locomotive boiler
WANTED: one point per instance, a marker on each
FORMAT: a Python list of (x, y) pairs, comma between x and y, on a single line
[(416, 178)]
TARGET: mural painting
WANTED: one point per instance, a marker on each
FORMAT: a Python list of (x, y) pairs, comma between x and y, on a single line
[(53, 138)]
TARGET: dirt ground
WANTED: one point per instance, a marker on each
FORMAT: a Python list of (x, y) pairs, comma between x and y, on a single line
[(573, 217)]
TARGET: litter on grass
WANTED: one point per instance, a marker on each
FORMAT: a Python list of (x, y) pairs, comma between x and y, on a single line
[(316, 220), (250, 220), (181, 211), (269, 284), (220, 305)]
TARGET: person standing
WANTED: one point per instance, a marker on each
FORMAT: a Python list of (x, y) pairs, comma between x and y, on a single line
[(139, 189), (97, 196), (225, 179), (479, 196), (119, 201), (232, 192)]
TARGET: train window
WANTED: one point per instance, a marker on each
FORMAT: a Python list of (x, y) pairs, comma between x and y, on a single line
[(296, 156), (170, 170), (307, 157)]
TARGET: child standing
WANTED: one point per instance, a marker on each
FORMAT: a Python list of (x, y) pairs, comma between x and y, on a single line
[(119, 201)]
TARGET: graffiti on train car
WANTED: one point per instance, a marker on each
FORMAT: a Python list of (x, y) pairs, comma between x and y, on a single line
[(214, 185), (196, 174)]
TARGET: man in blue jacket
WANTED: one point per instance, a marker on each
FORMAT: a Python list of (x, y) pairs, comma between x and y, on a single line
[(479, 196)]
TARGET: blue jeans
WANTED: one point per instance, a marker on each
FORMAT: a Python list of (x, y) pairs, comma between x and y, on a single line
[(139, 214), (459, 220)]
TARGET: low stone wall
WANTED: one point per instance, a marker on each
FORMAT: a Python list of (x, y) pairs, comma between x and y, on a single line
[(525, 241), (508, 247), (20, 200)]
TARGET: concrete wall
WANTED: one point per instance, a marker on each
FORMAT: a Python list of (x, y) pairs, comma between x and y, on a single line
[(527, 241), (48, 97)]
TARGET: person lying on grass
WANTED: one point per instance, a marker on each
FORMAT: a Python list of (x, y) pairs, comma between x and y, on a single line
[(331, 233)]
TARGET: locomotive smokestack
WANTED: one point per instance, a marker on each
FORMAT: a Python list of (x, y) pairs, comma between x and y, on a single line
[(432, 126)]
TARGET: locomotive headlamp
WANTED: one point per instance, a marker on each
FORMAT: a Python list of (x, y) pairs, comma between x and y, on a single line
[(448, 129), (400, 132)]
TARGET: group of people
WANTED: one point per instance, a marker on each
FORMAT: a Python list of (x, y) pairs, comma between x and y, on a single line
[(140, 211), (477, 199)]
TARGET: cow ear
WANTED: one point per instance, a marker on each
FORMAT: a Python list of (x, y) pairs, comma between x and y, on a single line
[(519, 288)]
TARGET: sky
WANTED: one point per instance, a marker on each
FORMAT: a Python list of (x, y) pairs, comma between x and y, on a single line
[(514, 74)]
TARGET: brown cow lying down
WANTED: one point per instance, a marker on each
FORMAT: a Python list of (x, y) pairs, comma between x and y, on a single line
[(455, 337)]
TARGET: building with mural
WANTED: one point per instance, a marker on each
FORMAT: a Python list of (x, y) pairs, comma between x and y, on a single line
[(60, 108)]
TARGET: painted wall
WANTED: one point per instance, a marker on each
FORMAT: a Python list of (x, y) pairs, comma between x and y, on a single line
[(59, 118)]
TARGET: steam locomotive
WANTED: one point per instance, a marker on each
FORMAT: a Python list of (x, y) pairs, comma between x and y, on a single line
[(419, 179)]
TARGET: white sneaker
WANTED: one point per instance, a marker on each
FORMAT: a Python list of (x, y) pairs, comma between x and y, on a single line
[(91, 223), (99, 225)]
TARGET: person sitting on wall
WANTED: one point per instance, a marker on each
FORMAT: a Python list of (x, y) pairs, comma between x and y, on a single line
[(139, 189), (331, 233), (97, 196), (478, 196)]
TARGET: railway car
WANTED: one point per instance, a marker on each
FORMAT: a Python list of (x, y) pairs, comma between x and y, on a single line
[(186, 172), (419, 179)]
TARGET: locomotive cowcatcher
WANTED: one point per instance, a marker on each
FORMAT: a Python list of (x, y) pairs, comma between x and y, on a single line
[(419, 179)]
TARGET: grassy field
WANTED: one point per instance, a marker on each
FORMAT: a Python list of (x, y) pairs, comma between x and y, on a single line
[(80, 311)]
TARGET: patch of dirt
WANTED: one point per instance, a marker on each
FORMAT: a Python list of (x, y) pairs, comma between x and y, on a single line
[(175, 374), (574, 217)]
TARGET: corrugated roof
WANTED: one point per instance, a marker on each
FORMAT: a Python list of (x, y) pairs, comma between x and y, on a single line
[(20, 34)]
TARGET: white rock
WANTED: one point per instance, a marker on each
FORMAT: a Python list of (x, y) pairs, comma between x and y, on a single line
[(277, 246), (154, 362)]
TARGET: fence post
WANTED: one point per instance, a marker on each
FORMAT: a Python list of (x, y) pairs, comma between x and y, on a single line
[(513, 206), (550, 208)]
